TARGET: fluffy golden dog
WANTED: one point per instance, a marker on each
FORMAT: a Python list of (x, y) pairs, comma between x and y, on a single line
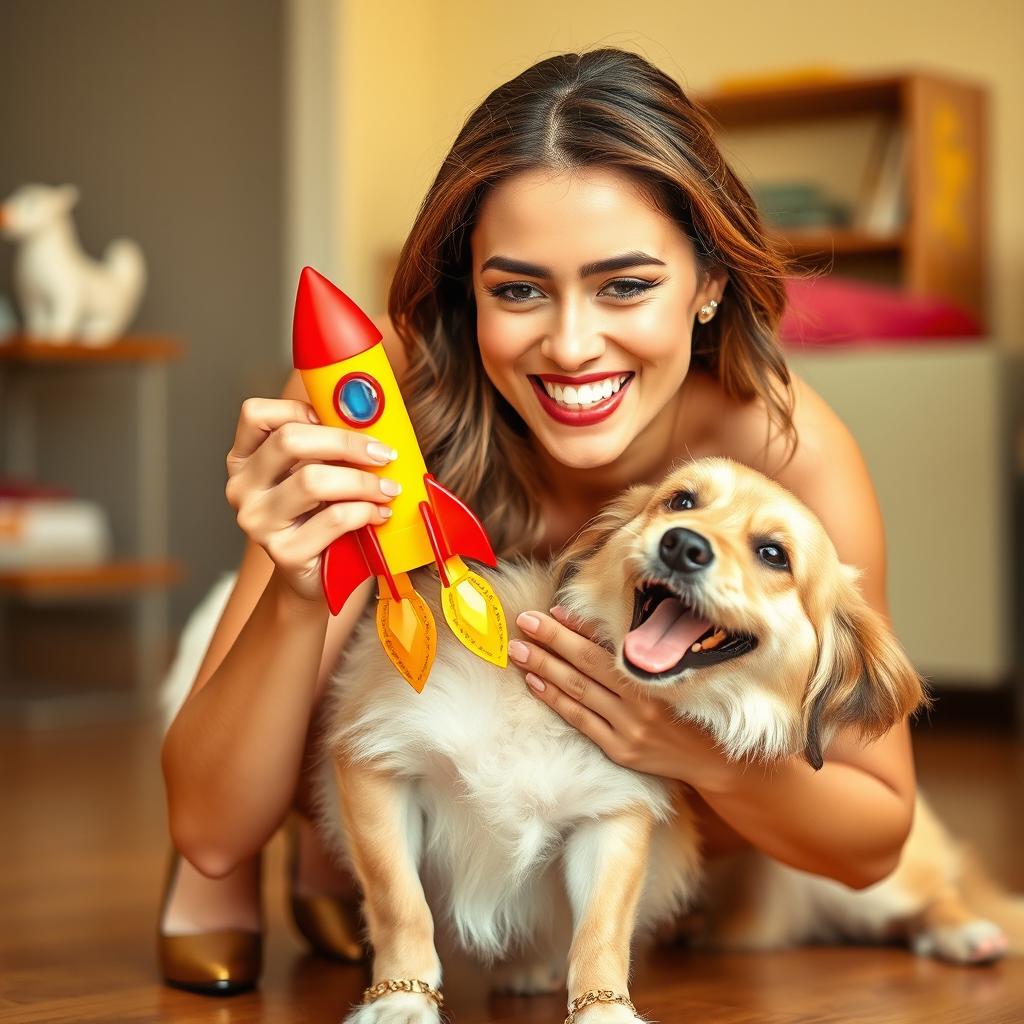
[(474, 805)]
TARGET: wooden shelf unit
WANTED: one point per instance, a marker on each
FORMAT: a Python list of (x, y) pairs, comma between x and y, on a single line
[(943, 248), (111, 577), (131, 349), (142, 577)]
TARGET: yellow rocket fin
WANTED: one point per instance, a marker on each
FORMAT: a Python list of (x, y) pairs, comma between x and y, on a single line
[(474, 613), (406, 630)]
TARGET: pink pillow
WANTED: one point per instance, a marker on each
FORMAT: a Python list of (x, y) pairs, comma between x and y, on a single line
[(835, 310)]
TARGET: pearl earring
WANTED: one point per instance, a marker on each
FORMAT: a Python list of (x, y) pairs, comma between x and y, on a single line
[(707, 312)]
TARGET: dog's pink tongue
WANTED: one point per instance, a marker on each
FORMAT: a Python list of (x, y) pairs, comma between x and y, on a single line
[(658, 643)]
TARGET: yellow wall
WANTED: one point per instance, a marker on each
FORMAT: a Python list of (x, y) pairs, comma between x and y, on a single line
[(411, 70)]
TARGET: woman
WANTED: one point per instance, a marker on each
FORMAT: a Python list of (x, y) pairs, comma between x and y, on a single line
[(583, 227)]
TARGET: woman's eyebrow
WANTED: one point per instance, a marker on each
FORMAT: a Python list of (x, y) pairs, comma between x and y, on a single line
[(629, 259)]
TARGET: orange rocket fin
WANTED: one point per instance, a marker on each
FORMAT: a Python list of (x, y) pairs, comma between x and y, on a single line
[(461, 532), (407, 631)]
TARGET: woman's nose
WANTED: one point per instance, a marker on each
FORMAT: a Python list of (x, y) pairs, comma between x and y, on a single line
[(574, 340)]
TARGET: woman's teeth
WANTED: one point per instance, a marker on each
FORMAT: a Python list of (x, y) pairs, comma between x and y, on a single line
[(586, 395)]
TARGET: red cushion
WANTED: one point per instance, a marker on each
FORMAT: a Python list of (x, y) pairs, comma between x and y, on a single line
[(834, 310)]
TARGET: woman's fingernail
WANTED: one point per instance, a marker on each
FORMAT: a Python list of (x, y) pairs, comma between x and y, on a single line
[(528, 622), (391, 487), (313, 418), (518, 650), (381, 452), (536, 682), (558, 611)]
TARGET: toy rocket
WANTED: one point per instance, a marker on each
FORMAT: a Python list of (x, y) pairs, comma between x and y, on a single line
[(350, 383)]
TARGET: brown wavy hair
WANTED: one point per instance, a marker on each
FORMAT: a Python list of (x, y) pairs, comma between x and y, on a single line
[(605, 108)]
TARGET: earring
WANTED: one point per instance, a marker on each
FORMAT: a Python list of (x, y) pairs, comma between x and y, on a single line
[(707, 312)]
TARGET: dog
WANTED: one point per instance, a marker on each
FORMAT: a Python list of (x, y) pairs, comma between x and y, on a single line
[(65, 294), (475, 804)]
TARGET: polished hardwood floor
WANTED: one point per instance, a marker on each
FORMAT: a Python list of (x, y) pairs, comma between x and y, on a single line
[(83, 850)]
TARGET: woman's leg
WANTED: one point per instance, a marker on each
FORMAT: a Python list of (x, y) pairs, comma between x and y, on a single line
[(201, 904)]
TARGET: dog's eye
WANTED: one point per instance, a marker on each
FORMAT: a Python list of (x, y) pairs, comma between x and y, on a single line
[(773, 555), (681, 501)]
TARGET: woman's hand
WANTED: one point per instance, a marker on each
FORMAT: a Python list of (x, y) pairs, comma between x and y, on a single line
[(296, 486), (578, 679)]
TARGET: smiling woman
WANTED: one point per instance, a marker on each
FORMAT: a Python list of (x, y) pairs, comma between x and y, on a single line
[(576, 316)]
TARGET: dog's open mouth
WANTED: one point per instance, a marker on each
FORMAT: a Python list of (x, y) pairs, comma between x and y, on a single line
[(669, 634)]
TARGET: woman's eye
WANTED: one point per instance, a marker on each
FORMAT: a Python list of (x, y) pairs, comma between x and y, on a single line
[(514, 292), (774, 555), (682, 500), (621, 288), (627, 288)]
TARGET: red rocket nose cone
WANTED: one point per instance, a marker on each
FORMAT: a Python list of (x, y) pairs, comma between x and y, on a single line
[(328, 326)]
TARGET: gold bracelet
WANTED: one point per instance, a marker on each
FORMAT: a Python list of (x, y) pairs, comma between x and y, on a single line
[(382, 988), (598, 995)]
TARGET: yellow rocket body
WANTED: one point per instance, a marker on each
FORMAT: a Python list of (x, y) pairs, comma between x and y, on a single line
[(402, 538)]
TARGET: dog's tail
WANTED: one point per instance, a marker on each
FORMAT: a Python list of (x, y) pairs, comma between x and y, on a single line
[(991, 900), (195, 639)]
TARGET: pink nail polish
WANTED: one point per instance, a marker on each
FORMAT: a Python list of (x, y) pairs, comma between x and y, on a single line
[(528, 622), (536, 682)]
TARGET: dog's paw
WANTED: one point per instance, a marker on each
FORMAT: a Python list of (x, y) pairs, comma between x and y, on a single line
[(396, 1008), (528, 979), (976, 942)]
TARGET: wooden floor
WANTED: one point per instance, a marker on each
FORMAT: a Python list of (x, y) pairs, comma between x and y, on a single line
[(82, 853)]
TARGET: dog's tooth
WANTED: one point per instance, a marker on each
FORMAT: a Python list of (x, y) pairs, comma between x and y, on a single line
[(715, 639)]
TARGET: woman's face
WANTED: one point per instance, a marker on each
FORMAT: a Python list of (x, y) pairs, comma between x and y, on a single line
[(576, 276)]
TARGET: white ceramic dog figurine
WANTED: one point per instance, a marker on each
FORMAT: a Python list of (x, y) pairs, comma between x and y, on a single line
[(65, 294)]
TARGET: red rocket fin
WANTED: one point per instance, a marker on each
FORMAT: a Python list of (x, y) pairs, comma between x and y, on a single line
[(462, 533), (343, 566), (349, 560), (437, 541)]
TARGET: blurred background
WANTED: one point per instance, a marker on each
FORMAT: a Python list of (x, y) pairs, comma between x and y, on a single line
[(237, 140)]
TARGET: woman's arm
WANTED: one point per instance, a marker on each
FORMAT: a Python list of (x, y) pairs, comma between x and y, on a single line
[(232, 757), (844, 821)]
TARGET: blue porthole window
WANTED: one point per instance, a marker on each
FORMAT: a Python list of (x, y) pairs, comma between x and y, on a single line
[(359, 399)]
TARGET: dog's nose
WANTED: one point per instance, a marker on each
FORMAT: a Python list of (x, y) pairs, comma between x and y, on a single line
[(685, 551)]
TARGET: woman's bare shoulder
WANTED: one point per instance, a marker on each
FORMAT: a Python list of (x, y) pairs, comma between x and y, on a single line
[(741, 429)]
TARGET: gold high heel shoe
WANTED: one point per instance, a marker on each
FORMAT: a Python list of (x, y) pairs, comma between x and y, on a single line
[(332, 925), (222, 962)]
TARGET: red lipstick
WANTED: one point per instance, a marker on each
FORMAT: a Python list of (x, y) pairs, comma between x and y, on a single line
[(582, 417)]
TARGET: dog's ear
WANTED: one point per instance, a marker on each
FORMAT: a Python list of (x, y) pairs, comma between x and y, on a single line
[(863, 676), (595, 533)]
